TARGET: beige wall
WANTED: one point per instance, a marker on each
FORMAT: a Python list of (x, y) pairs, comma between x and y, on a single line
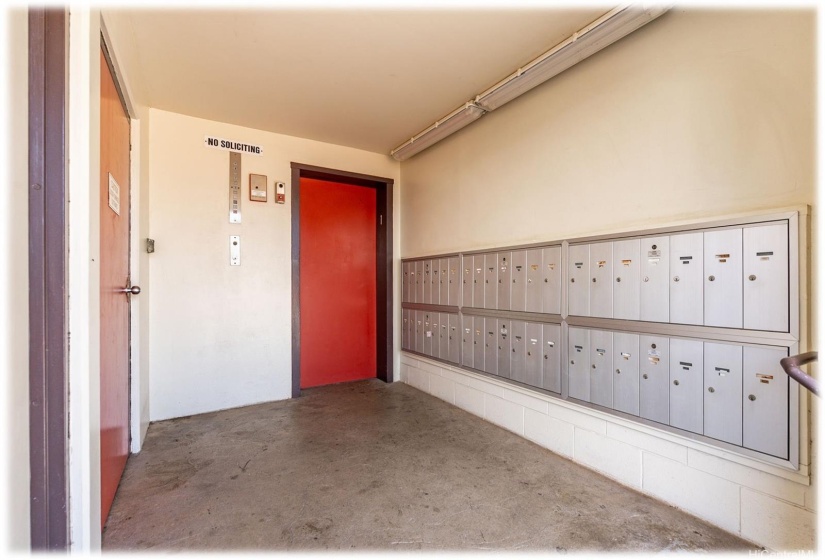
[(699, 114), (221, 335), (14, 310)]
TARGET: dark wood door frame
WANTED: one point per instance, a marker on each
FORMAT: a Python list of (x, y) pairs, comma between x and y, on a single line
[(48, 336), (383, 264)]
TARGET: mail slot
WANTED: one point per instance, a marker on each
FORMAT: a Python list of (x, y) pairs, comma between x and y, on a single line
[(467, 332), (765, 390), (426, 282), (765, 277), (435, 285), (518, 281), (533, 355), (405, 329), (444, 338), (626, 372), (467, 280), (505, 262), (686, 261), (478, 281), (518, 347), (551, 357), (478, 343), (551, 280), (533, 287), (687, 381), (626, 257), (405, 282), (601, 373), (723, 278), (723, 392), (654, 296), (428, 334), (578, 367), (454, 342), (454, 281), (504, 350), (419, 331), (578, 280), (491, 345), (491, 281), (444, 282), (435, 325), (654, 378), (419, 281)]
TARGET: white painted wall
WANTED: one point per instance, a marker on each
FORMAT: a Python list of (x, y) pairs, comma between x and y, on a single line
[(14, 304), (699, 114), (221, 335)]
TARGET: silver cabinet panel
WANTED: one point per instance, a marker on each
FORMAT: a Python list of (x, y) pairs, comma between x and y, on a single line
[(765, 400), (518, 281), (491, 345), (454, 342), (435, 282), (533, 355), (518, 348), (444, 282), (419, 281), (444, 336), (626, 287), (405, 282), (654, 378), (405, 329), (686, 384), (504, 349), (626, 372), (578, 281), (654, 296), (723, 278), (551, 374), (428, 333), (505, 262), (723, 392), (467, 338), (765, 273), (467, 280), (601, 281), (578, 366), (490, 280), (435, 327), (426, 282), (478, 343), (533, 287), (601, 368), (551, 280), (454, 281), (478, 281), (418, 343), (686, 262)]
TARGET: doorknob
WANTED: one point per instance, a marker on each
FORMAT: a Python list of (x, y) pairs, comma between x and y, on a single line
[(133, 290)]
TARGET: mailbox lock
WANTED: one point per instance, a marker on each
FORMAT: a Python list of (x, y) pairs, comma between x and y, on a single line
[(675, 381), (618, 371), (653, 345), (647, 279), (514, 350), (711, 390), (644, 376), (572, 280), (752, 277), (545, 356), (618, 279), (572, 361), (675, 278), (711, 277), (653, 246), (545, 280), (594, 366), (529, 354), (752, 397)]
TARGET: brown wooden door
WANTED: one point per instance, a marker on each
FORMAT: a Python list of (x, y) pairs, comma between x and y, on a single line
[(114, 275)]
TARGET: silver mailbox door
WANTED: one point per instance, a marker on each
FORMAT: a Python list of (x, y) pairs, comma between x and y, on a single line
[(435, 277), (435, 326), (654, 378), (490, 280), (551, 280), (467, 332), (405, 282), (578, 367), (601, 281), (518, 346), (626, 257), (765, 404), (578, 282), (533, 358), (478, 343), (654, 297), (686, 262), (723, 392), (504, 349), (444, 282), (426, 282), (551, 376), (601, 368), (518, 280), (686, 384), (478, 281), (505, 264), (428, 333), (467, 280), (419, 332), (454, 341), (444, 340), (723, 278), (491, 345), (405, 329), (419, 279), (533, 288), (765, 268), (454, 281), (626, 372)]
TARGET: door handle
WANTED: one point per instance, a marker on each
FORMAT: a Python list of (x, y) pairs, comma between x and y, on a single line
[(132, 290)]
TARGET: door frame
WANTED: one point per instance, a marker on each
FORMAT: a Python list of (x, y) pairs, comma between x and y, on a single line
[(383, 264)]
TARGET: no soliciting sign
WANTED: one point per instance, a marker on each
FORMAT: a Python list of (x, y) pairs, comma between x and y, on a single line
[(232, 145)]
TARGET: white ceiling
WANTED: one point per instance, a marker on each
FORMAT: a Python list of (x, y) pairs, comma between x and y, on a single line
[(369, 79)]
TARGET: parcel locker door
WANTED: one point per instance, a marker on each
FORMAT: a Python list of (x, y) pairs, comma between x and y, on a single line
[(626, 372), (426, 282), (405, 282), (533, 288), (478, 281), (551, 280), (504, 348), (723, 278), (418, 266), (467, 275), (626, 287), (454, 281), (578, 283), (490, 280), (601, 281), (551, 374), (478, 343), (654, 297), (454, 341), (435, 277), (418, 343), (428, 334), (491, 345), (601, 368), (578, 368), (534, 354), (765, 268), (723, 392), (765, 404), (518, 281), (686, 262), (686, 384), (444, 336), (444, 282), (654, 378), (467, 337), (518, 347), (505, 262)]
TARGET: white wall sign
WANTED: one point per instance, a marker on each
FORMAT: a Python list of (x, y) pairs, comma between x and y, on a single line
[(231, 145), (114, 195)]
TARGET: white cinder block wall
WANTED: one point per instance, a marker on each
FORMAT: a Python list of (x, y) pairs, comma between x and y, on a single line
[(701, 114)]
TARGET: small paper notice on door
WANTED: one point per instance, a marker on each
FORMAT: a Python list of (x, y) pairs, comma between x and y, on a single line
[(114, 195)]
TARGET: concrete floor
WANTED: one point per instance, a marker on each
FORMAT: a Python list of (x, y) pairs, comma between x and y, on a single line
[(366, 465)]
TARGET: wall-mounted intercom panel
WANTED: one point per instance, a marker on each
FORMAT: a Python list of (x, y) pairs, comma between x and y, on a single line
[(280, 193), (234, 187)]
